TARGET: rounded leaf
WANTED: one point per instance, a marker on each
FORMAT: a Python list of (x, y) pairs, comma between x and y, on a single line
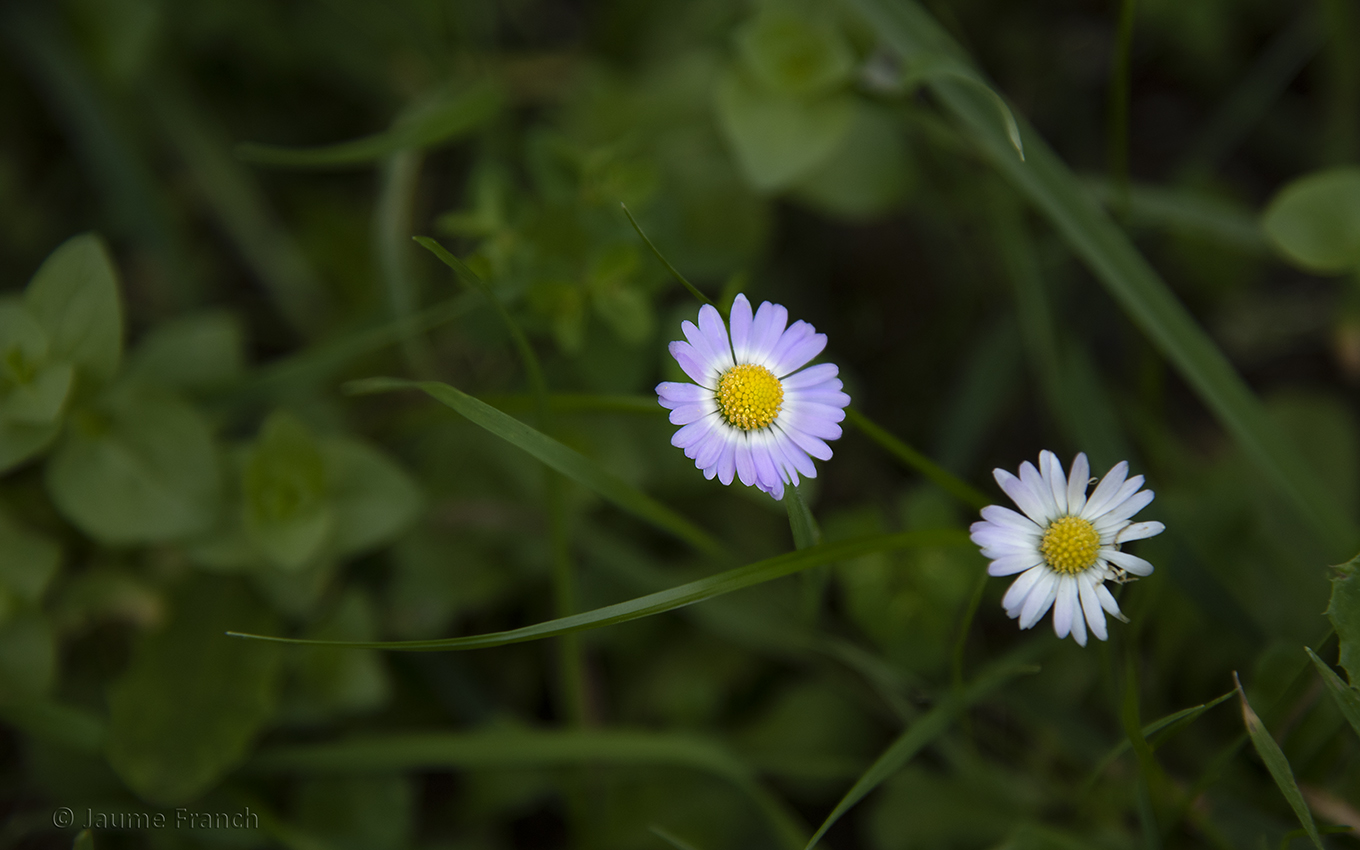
[(1315, 221)]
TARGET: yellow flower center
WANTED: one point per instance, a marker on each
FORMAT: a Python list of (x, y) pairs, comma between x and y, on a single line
[(1070, 545), (749, 396)]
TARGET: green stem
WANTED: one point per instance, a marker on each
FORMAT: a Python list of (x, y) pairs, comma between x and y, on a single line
[(693, 290), (806, 534), (391, 228), (965, 625)]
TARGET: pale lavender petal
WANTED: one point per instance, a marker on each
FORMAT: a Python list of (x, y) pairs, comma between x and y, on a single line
[(807, 442), (1077, 483), (711, 324), (746, 467), (1128, 563), (796, 355), (997, 537), (796, 457), (740, 320), (1036, 483), (1090, 605), (708, 450), (1040, 599), (1108, 486), (810, 377), (769, 324), (1025, 498), (1052, 471), (794, 334), (687, 413), (767, 474), (1019, 590), (693, 364), (727, 462), (692, 433), (831, 398), (818, 426), (1008, 518), (672, 393), (1064, 606), (1012, 564), (1139, 530)]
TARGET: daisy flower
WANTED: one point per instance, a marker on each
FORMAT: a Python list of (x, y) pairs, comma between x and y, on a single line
[(1065, 546), (753, 411)]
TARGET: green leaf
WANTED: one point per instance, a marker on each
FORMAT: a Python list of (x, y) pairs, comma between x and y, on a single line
[(137, 467), (503, 748), (1172, 723), (1278, 766), (570, 463), (66, 726), (668, 600), (328, 682), (74, 297), (33, 389), (190, 703), (28, 658), (1344, 612), (372, 499), (793, 54), (866, 175), (1315, 221), (1048, 184), (28, 561), (1347, 696), (284, 483), (442, 119), (931, 68), (926, 729), (203, 351), (19, 442), (671, 839), (779, 138)]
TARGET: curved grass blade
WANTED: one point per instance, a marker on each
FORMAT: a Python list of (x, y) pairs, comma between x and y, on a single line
[(567, 461), (1278, 766), (666, 600), (1051, 187), (693, 290), (933, 68), (669, 838), (929, 727), (583, 403), (1347, 697), (943, 478), (1172, 723), (427, 125), (500, 748)]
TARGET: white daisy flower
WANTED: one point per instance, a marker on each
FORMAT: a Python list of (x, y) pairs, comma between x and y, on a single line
[(753, 411), (1065, 546)]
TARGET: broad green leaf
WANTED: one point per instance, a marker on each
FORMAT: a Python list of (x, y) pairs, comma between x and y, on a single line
[(33, 389), (1278, 766), (794, 54), (28, 561), (284, 483), (570, 463), (190, 703), (1315, 221), (19, 442), (866, 175), (372, 499), (203, 351), (1048, 184), (1344, 612), (925, 729), (28, 658), (1347, 696), (502, 748), (667, 600), (327, 682), (430, 123), (137, 467), (779, 138), (39, 401), (74, 297)]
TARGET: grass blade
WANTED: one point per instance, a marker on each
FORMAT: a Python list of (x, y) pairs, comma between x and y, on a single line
[(943, 478), (670, 599), (925, 730), (1052, 188), (801, 522), (1172, 723), (426, 125), (1278, 766), (693, 290), (669, 838), (530, 748), (567, 461), (1347, 697)]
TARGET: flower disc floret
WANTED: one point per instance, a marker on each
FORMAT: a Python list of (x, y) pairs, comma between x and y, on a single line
[(756, 411), (749, 396), (1063, 544), (1070, 545)]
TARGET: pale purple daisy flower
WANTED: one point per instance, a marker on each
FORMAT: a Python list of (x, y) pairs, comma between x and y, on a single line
[(750, 412), (1065, 546)]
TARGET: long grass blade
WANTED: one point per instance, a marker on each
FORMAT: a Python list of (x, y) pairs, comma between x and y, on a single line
[(667, 600), (684, 281), (1278, 766), (567, 461), (425, 126), (1172, 723), (1347, 697), (943, 478), (531, 748), (926, 729), (1051, 187)]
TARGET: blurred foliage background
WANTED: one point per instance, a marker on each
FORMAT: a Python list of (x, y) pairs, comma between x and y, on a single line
[(179, 459)]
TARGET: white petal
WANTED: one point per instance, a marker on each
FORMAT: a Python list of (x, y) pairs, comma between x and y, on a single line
[(1108, 486), (1107, 602), (1128, 563), (1051, 469), (1090, 605), (1023, 496), (1011, 564), (1064, 606), (1139, 530), (1007, 518), (1120, 514), (1019, 590), (1029, 475), (1040, 599), (1115, 501), (1077, 483)]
